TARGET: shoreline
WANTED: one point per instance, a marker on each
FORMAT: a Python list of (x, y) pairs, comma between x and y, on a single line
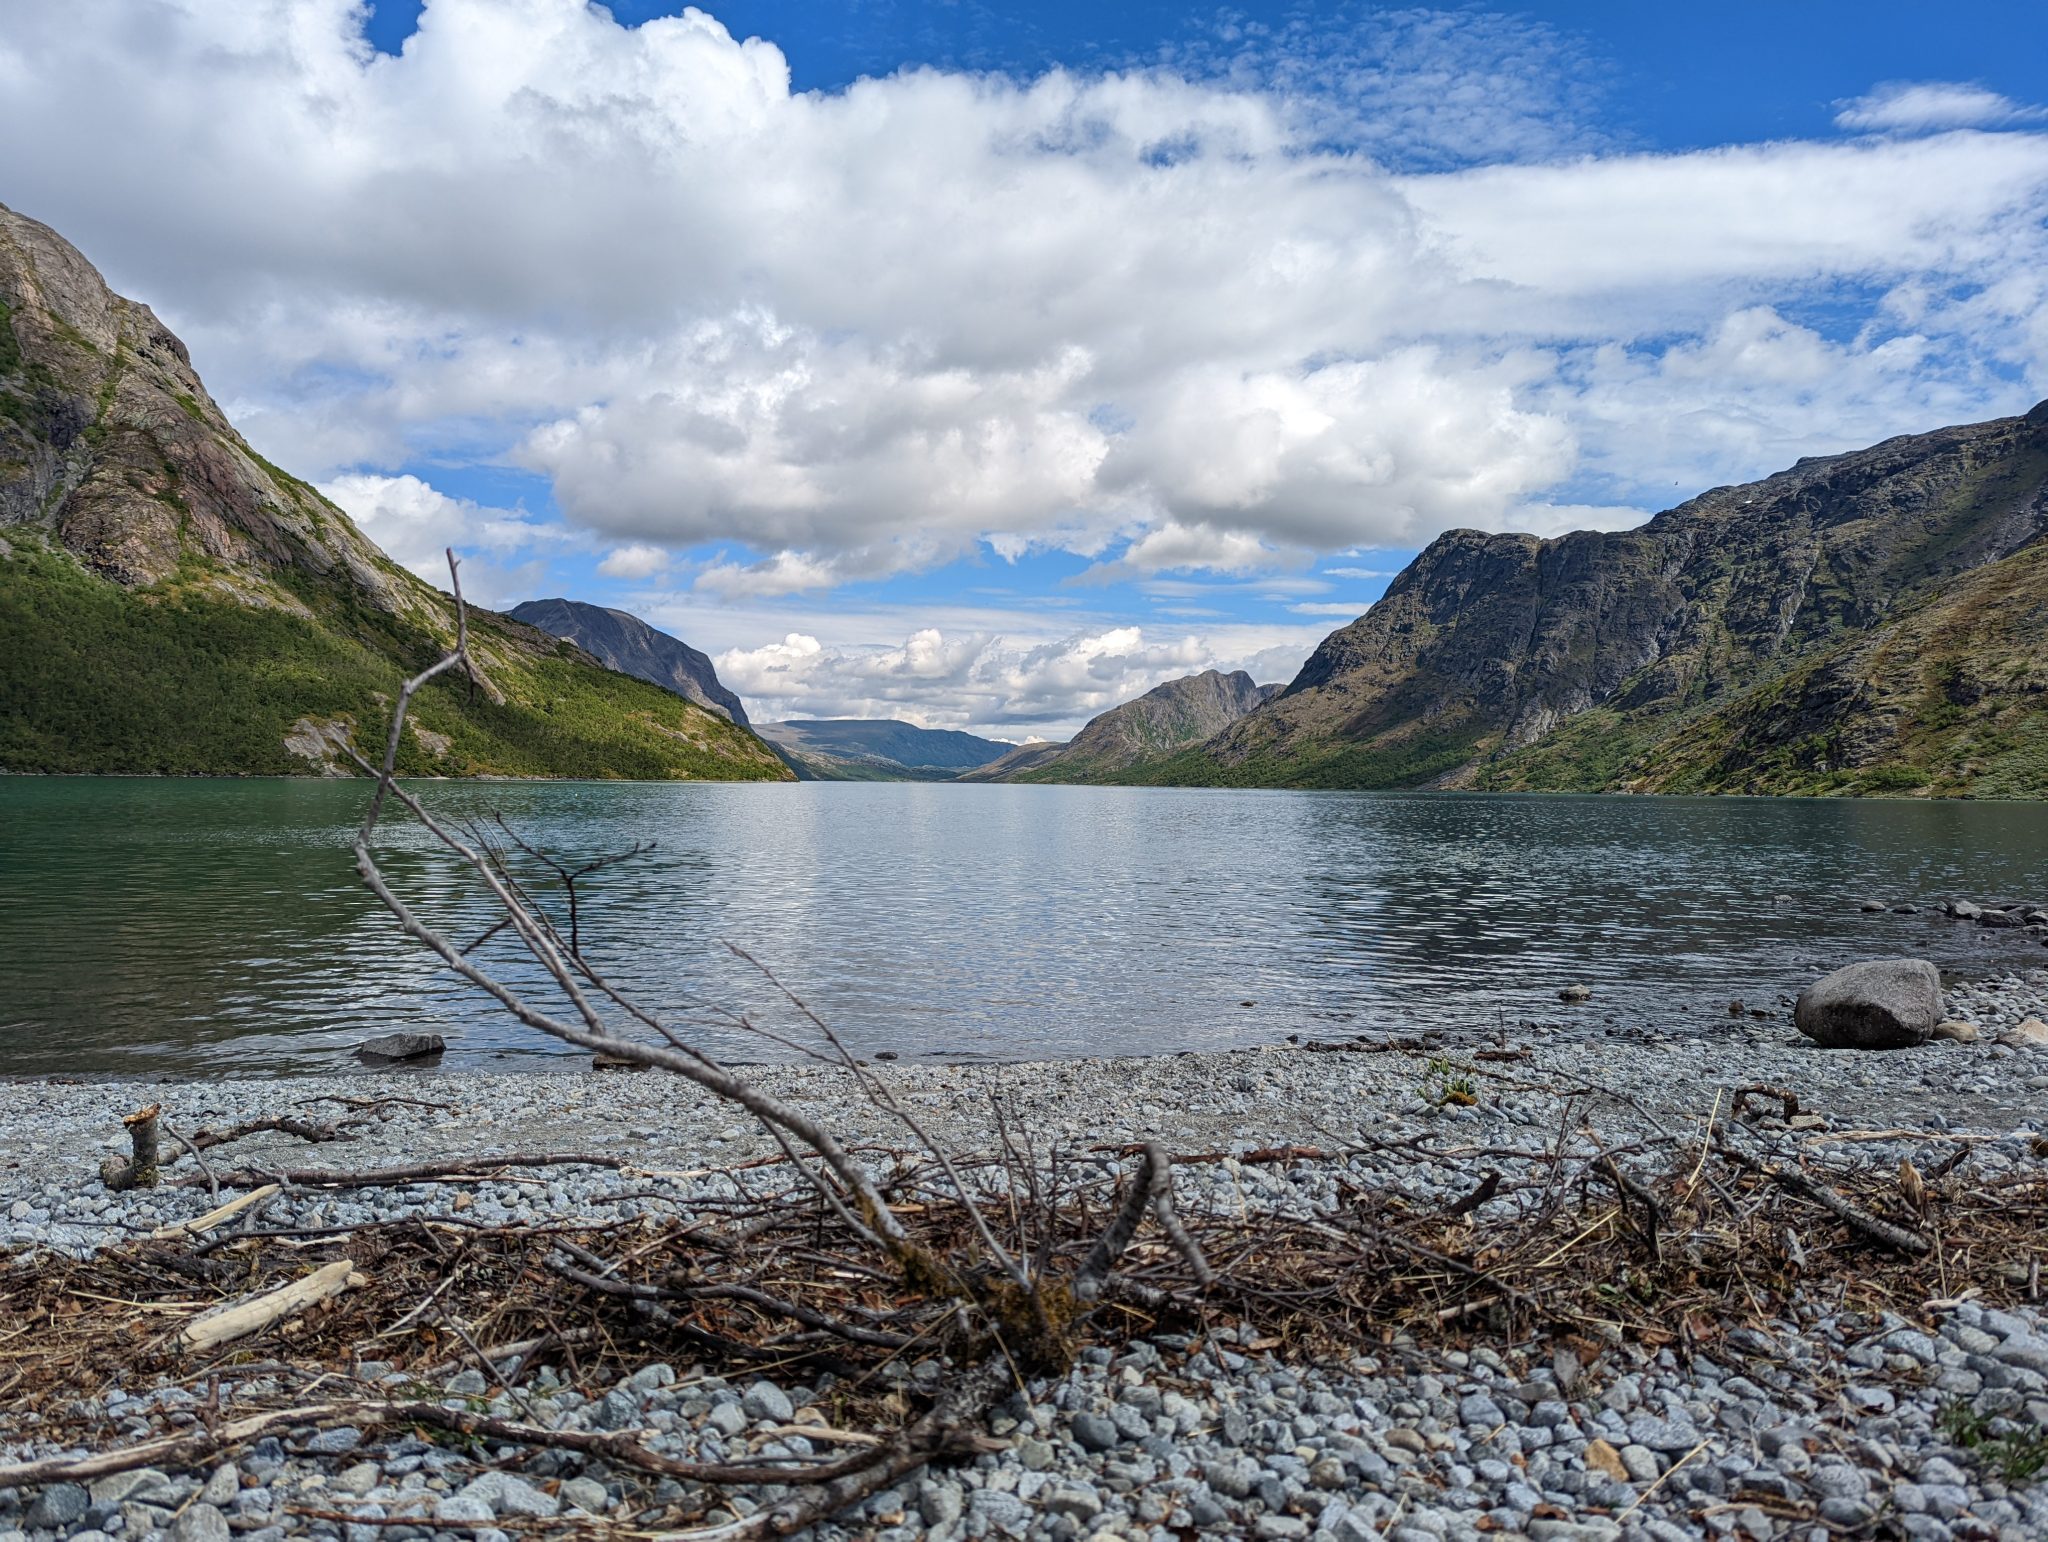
[(1810, 1422), (914, 781), (54, 1129), (1870, 1401)]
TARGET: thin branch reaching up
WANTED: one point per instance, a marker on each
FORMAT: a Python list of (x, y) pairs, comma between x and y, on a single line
[(538, 936)]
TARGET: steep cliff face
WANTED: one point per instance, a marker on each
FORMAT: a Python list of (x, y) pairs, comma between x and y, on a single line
[(1948, 696), (171, 602), (624, 642), (1509, 661), (111, 447), (1166, 718)]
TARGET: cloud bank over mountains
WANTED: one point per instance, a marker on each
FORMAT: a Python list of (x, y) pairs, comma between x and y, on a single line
[(1017, 690), (1228, 313)]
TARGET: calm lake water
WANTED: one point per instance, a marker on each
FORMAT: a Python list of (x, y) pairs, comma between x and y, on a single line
[(209, 926)]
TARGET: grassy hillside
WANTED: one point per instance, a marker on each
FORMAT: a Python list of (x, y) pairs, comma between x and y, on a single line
[(1947, 699), (1859, 623), (1170, 717), (172, 602), (178, 678)]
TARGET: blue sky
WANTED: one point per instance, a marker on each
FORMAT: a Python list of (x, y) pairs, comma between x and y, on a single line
[(985, 365)]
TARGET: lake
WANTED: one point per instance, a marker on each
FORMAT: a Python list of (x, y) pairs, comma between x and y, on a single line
[(201, 927)]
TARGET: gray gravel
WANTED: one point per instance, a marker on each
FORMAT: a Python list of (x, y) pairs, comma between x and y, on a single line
[(1817, 1426)]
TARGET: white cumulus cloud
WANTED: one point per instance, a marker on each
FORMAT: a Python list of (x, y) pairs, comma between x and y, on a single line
[(1003, 685), (416, 524), (1918, 105), (637, 561), (852, 333)]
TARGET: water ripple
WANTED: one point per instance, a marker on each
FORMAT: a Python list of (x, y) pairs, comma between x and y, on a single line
[(198, 926)]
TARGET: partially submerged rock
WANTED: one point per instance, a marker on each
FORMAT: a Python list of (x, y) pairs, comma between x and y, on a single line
[(1882, 1003), (400, 1046), (1575, 994)]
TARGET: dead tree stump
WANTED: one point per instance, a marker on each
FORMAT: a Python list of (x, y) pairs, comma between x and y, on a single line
[(137, 1170)]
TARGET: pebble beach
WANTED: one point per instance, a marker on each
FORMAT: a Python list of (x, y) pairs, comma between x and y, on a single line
[(1819, 1424)]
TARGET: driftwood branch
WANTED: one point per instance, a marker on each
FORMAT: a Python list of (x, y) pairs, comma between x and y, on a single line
[(939, 1432), (1151, 1189), (469, 1169), (1873, 1227), (253, 1316)]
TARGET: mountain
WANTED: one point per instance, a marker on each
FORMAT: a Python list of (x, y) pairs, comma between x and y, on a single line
[(1864, 622), (1022, 758), (852, 749), (1166, 718), (624, 642), (171, 602)]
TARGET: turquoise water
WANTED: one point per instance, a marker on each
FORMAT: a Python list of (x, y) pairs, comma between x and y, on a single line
[(203, 926)]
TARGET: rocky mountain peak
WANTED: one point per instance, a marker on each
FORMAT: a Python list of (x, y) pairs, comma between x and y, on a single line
[(111, 445), (1488, 647)]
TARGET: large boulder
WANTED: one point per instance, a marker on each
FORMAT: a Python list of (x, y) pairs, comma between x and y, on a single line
[(1884, 1003), (394, 1047)]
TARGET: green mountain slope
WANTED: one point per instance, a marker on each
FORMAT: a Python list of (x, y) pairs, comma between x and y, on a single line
[(171, 602), (1949, 697), (1715, 648)]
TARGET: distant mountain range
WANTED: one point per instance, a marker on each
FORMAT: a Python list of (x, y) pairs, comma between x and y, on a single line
[(1022, 758), (878, 750), (1872, 622), (172, 602), (1166, 718)]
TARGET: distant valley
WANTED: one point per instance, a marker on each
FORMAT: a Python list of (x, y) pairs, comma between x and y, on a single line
[(171, 602), (878, 750)]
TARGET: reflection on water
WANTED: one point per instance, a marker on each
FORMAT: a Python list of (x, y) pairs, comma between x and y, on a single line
[(204, 925)]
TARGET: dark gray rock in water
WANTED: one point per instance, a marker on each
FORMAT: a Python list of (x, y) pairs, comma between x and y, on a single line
[(1883, 1003), (1872, 907), (1998, 918), (401, 1046), (1962, 909)]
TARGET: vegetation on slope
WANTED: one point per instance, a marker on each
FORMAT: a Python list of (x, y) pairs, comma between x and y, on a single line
[(1858, 623), (1166, 719), (170, 601), (178, 678), (1949, 698)]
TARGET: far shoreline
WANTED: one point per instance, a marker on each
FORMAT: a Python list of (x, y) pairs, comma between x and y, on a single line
[(1476, 793)]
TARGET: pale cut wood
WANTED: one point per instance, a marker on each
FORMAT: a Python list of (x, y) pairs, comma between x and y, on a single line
[(213, 1218), (246, 1317)]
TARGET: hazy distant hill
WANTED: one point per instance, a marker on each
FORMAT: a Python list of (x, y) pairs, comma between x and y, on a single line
[(879, 749), (1865, 622), (172, 602), (1022, 758), (1166, 718), (622, 641)]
